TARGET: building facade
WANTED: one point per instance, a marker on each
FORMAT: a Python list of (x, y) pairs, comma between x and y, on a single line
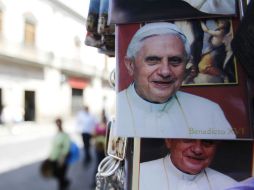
[(45, 69)]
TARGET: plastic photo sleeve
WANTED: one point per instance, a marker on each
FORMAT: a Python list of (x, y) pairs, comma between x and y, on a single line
[(208, 105), (242, 43), (116, 146), (106, 30), (92, 37), (132, 11)]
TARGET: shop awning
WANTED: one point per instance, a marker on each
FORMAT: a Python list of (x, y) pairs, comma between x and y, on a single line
[(78, 83)]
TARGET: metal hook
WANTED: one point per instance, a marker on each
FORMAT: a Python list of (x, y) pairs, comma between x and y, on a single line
[(112, 78), (108, 166)]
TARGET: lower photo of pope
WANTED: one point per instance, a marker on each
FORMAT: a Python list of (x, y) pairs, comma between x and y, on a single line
[(193, 164)]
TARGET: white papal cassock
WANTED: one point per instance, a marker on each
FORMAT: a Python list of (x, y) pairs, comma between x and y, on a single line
[(163, 175), (183, 116)]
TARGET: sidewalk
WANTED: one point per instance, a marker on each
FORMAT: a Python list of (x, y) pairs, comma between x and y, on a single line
[(19, 143), (26, 131), (25, 145)]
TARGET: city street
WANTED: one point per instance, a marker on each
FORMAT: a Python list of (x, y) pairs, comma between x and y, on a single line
[(22, 150)]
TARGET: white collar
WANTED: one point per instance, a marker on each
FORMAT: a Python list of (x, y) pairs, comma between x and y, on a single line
[(146, 105), (178, 173)]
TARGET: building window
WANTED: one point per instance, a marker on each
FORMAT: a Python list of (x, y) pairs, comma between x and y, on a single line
[(29, 33)]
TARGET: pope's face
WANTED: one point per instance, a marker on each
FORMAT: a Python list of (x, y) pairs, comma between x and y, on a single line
[(191, 156), (158, 68)]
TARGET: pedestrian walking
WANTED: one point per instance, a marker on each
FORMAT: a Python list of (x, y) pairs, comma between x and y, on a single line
[(86, 123), (99, 137), (59, 154)]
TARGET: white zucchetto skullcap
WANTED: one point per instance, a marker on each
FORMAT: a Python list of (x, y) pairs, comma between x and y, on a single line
[(153, 29)]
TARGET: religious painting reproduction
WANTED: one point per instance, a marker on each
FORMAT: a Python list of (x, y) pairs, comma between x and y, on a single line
[(116, 145), (133, 11), (193, 164), (212, 61)]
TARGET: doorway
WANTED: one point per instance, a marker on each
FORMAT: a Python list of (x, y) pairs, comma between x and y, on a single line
[(29, 106), (76, 100)]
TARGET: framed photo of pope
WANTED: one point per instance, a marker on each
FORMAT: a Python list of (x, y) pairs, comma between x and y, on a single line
[(160, 94)]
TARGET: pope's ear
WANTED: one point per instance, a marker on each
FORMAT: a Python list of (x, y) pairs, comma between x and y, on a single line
[(129, 63), (168, 143)]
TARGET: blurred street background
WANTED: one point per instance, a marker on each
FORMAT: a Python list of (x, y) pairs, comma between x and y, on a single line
[(25, 146), (46, 71)]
